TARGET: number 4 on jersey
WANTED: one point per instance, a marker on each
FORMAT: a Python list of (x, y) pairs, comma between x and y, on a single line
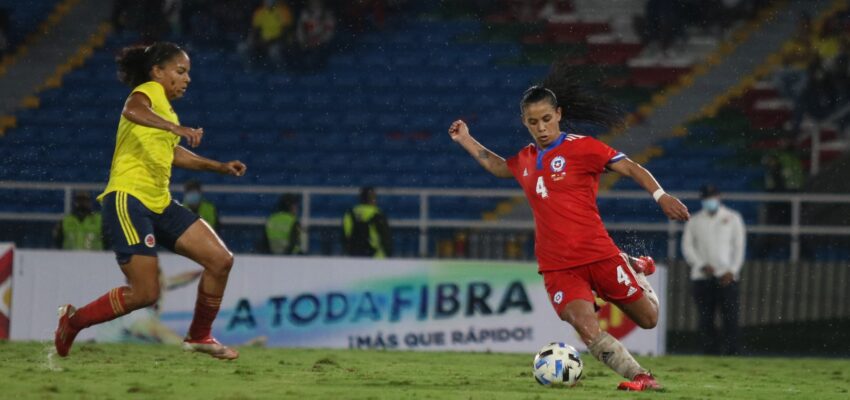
[(622, 277), (541, 188)]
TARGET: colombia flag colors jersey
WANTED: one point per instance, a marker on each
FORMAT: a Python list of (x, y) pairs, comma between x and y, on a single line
[(141, 165), (561, 183)]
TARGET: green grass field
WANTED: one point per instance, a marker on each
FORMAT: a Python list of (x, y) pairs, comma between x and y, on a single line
[(97, 371)]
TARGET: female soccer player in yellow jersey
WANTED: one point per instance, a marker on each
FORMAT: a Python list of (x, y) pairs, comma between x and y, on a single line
[(138, 211)]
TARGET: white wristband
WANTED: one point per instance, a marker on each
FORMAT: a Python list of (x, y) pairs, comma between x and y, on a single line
[(657, 194)]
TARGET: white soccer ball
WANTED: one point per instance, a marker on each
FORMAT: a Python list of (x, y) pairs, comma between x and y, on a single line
[(557, 364)]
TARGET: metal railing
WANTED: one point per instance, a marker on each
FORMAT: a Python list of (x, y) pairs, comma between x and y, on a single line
[(424, 223), (814, 131)]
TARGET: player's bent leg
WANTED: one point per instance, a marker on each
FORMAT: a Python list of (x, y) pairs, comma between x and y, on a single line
[(641, 267), (582, 316), (604, 347), (201, 244), (142, 275), (642, 311)]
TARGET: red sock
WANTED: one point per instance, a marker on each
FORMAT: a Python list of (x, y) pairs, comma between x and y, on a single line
[(206, 308), (105, 308)]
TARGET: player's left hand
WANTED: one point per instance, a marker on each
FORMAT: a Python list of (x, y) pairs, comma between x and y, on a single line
[(233, 168), (673, 208), (726, 279)]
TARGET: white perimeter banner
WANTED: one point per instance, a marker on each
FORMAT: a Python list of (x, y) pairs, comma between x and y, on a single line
[(323, 302)]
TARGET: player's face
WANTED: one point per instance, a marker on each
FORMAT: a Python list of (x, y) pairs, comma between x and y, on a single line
[(174, 75), (543, 122)]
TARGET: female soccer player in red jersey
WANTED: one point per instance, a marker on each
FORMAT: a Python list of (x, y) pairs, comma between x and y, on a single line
[(138, 211), (559, 174)]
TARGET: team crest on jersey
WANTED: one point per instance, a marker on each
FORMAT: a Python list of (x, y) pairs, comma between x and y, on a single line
[(558, 163), (558, 297), (150, 241)]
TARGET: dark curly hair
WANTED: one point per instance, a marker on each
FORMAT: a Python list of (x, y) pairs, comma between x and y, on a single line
[(135, 62), (561, 88)]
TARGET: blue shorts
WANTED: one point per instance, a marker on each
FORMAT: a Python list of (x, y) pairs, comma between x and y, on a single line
[(134, 229)]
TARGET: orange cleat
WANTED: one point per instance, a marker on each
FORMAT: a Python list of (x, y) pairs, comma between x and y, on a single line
[(640, 383), (65, 334), (643, 265), (209, 345)]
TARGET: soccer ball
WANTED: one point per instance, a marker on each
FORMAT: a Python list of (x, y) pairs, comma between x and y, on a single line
[(557, 364)]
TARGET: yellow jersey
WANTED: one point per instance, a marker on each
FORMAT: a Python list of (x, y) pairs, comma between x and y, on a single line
[(271, 22), (141, 164)]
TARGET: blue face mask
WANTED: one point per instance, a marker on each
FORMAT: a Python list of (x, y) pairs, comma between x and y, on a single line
[(711, 204), (192, 198)]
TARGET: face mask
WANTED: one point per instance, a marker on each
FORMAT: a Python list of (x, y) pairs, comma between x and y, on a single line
[(711, 204), (192, 198)]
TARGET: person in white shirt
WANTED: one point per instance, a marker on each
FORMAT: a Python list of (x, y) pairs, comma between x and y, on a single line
[(713, 243)]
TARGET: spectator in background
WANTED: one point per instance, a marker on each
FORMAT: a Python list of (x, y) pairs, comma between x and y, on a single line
[(193, 199), (271, 31), (81, 229), (714, 243), (283, 231), (365, 228), (314, 31), (661, 25)]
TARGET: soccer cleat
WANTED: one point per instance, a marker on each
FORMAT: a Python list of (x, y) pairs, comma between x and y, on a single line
[(209, 345), (640, 383), (65, 334), (643, 265)]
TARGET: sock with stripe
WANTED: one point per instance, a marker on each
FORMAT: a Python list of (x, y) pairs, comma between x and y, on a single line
[(206, 309), (105, 308)]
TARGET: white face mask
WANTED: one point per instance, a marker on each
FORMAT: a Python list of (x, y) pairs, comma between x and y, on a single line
[(711, 204)]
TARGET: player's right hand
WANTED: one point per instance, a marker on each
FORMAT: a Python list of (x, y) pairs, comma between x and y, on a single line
[(193, 135), (673, 208), (458, 130)]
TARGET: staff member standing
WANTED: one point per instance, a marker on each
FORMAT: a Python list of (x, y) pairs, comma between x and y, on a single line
[(714, 243), (81, 229)]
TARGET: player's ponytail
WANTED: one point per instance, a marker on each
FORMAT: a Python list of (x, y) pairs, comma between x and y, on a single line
[(561, 88), (135, 62)]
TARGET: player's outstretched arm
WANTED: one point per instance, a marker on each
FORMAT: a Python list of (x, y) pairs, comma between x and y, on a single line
[(491, 161), (138, 110), (672, 207), (184, 158)]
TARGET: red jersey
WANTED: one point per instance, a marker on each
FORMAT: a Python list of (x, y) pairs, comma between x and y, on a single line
[(560, 184)]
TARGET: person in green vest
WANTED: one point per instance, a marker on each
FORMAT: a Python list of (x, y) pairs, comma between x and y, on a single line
[(81, 229), (366, 232), (283, 231), (194, 200)]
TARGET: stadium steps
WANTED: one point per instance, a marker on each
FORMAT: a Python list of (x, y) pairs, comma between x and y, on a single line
[(68, 28)]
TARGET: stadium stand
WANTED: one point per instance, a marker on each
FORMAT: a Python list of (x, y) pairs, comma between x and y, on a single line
[(390, 94), (24, 18)]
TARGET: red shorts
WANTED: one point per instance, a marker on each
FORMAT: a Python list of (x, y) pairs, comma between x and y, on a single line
[(612, 279)]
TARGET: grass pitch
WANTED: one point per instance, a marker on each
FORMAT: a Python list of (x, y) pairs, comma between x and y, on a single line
[(99, 371)]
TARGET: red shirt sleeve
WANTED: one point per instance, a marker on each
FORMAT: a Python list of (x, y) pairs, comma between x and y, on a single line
[(599, 154)]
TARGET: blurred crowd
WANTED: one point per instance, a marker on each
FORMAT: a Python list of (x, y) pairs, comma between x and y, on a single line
[(815, 72), (294, 34), (666, 23)]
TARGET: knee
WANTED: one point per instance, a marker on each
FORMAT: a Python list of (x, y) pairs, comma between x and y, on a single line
[(221, 265), (648, 320), (586, 326), (145, 296)]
